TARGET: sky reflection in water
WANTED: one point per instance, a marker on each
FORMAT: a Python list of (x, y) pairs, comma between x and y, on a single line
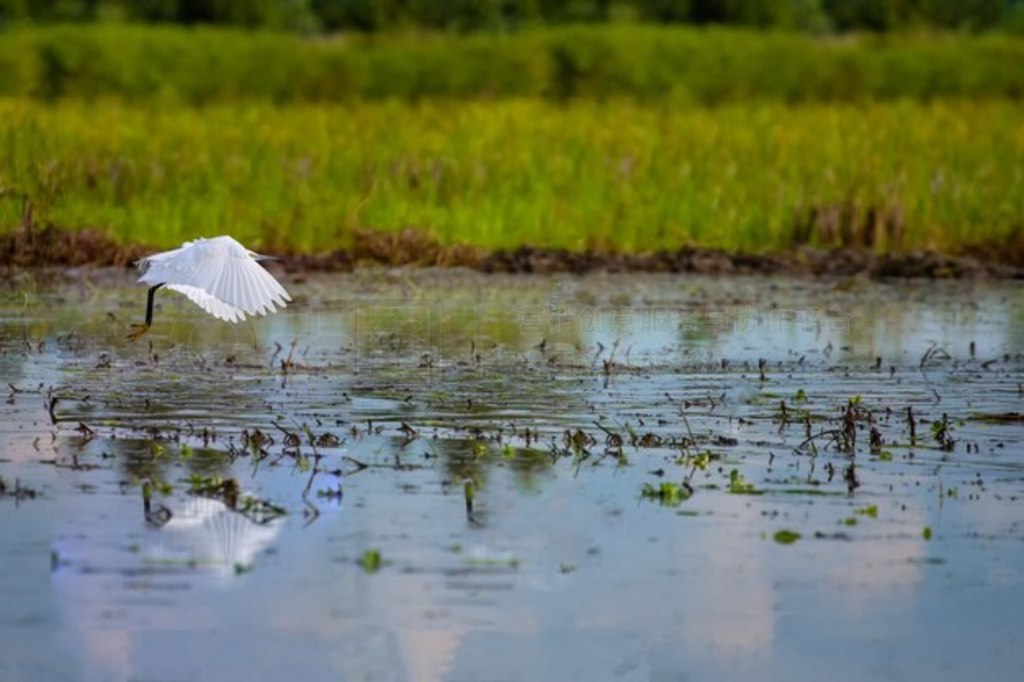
[(561, 571)]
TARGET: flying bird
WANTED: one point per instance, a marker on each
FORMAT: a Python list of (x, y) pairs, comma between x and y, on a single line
[(219, 275)]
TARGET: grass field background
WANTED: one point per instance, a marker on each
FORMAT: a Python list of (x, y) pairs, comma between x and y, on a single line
[(493, 142), (499, 174), (704, 66)]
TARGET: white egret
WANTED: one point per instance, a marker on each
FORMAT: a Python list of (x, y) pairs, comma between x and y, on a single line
[(219, 275)]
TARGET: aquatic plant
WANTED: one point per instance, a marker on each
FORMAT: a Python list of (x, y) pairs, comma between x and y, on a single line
[(740, 486), (668, 493)]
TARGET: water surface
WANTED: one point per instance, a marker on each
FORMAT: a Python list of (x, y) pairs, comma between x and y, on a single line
[(210, 502)]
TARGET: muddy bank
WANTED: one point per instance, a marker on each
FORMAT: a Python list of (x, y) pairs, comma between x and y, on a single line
[(804, 261), (50, 246)]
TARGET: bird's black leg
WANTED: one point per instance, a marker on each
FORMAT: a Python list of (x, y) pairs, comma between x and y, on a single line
[(140, 329), (149, 303)]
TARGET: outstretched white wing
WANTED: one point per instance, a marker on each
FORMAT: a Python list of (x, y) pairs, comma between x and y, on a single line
[(219, 275), (212, 305)]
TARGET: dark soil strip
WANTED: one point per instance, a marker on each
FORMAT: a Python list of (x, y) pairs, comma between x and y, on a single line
[(803, 261), (35, 246)]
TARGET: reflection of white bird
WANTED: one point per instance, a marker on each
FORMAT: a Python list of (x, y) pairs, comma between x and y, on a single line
[(207, 532), (219, 275)]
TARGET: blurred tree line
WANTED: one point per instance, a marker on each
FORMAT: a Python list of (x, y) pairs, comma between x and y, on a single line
[(377, 15)]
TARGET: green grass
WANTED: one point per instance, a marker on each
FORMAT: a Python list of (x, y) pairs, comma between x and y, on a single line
[(618, 175), (687, 65)]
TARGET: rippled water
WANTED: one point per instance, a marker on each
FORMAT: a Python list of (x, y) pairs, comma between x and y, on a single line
[(210, 501)]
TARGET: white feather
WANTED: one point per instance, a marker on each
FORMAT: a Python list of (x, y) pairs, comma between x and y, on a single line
[(219, 275)]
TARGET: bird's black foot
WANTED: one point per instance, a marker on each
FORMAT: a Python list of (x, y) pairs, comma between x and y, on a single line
[(138, 330)]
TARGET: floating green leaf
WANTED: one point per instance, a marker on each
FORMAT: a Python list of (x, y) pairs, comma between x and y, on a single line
[(870, 511), (371, 561), (786, 536)]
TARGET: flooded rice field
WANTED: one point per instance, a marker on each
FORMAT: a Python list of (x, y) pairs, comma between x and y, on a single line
[(438, 475)]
